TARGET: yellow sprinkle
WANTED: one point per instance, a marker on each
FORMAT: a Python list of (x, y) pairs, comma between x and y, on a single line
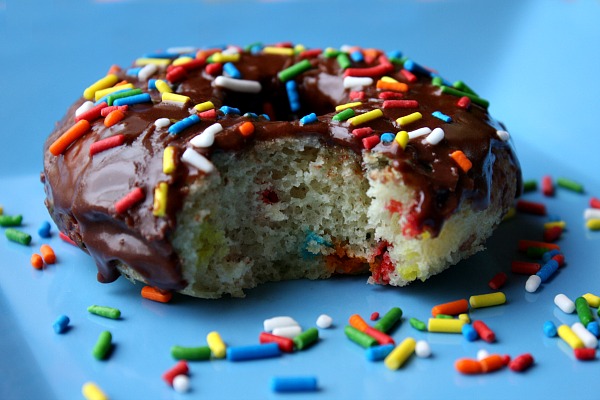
[(445, 325), (299, 48), (560, 224), (182, 60), (388, 79), (216, 344), (169, 160), (464, 317), (365, 117), (160, 200), (566, 333), (512, 212), (207, 105), (487, 300), (103, 92), (223, 58), (347, 105), (1, 210), (106, 82), (174, 98), (400, 354), (159, 62), (408, 119), (592, 299), (91, 391), (593, 224), (282, 51), (162, 86), (402, 139)]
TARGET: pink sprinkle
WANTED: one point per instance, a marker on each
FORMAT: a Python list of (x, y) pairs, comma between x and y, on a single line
[(400, 104), (370, 142), (391, 95), (209, 114), (107, 110), (547, 186), (92, 114), (66, 238), (379, 70), (129, 200), (408, 75), (362, 132), (357, 95)]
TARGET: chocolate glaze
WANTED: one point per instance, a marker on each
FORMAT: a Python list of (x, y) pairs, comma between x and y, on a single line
[(81, 190)]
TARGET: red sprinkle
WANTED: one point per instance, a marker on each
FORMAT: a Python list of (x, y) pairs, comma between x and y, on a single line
[(400, 104), (547, 186), (66, 238), (194, 64), (525, 268), (106, 144), (390, 95), (374, 316), (379, 70), (208, 114), (285, 344), (525, 244), (370, 142), (408, 75), (362, 132), (560, 258), (585, 354), (181, 368), (531, 207), (484, 331), (381, 337), (286, 45), (129, 200), (92, 114), (498, 281), (214, 69), (107, 110), (176, 74), (357, 95), (464, 102), (312, 53), (552, 234), (594, 202), (521, 363)]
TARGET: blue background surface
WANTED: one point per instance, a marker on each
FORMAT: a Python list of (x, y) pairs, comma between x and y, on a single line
[(536, 61)]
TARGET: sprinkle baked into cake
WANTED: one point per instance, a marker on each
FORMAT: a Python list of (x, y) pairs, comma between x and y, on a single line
[(210, 171)]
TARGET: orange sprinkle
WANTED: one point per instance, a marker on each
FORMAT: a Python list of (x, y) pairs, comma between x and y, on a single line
[(370, 55), (451, 308), (357, 322), (48, 254), (393, 86), (113, 117), (492, 363), (461, 159), (156, 294), (36, 261), (121, 83), (114, 69), (468, 366), (70, 136), (247, 128)]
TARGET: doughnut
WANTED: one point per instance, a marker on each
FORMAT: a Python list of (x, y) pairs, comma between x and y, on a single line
[(210, 171)]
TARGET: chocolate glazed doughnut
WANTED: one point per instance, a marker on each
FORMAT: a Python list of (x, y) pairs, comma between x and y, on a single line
[(210, 171)]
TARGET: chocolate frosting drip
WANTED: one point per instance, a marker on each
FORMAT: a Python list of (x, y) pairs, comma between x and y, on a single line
[(82, 189)]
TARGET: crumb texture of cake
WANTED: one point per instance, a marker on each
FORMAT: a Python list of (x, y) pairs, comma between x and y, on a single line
[(227, 168)]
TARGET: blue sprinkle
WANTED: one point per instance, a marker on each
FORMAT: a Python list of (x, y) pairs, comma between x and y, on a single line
[(550, 329), (253, 352), (131, 100), (151, 84), (378, 353), (231, 70), (357, 56), (387, 138), (256, 49), (415, 68), (61, 324), (161, 55), (442, 116), (547, 270), (554, 218), (311, 239), (469, 332), (547, 256), (394, 54), (594, 328), (251, 115), (265, 116), (293, 384), (133, 71), (44, 229), (179, 126), (230, 110), (293, 96), (308, 119)]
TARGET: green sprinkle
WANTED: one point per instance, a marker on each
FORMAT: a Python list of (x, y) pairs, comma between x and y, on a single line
[(102, 345), (444, 316), (418, 324), (583, 311), (191, 353), (569, 184), (106, 312), (343, 60), (398, 61), (344, 115), (18, 236), (530, 186), (11, 220), (294, 70), (114, 96), (536, 252), (460, 85), (437, 81), (387, 322), (331, 52), (475, 99), (358, 337), (306, 338)]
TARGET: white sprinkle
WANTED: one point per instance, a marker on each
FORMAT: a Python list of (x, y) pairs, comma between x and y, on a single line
[(278, 322), (422, 349), (86, 106), (503, 135), (481, 354), (589, 340), (181, 50), (591, 213), (206, 138), (288, 331), (181, 383), (197, 160), (419, 132), (324, 321), (231, 50), (533, 283), (147, 71), (162, 123), (238, 85), (346, 48), (357, 83), (435, 136), (564, 303)]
